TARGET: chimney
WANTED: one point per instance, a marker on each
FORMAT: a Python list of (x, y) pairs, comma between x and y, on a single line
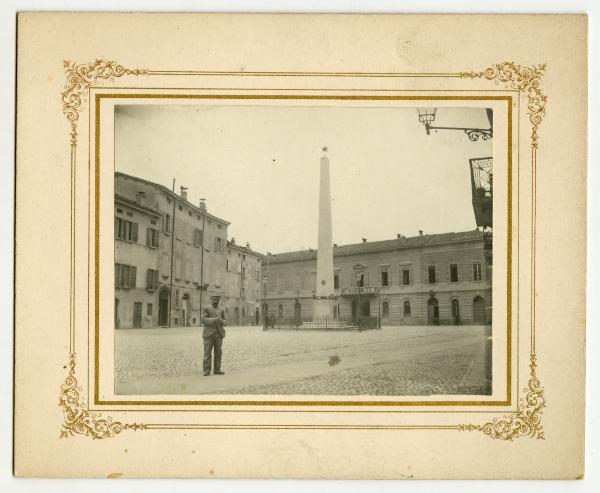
[(140, 197), (232, 239), (248, 245), (399, 236), (420, 232), (183, 192), (202, 205), (335, 245), (364, 240)]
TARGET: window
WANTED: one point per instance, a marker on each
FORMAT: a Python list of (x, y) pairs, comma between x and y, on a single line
[(385, 309), (453, 273), (405, 277), (336, 281), (152, 237), (126, 230), (243, 272), (188, 271), (151, 280), (166, 265), (477, 271), (197, 237), (384, 278), (280, 311), (177, 269), (166, 223), (407, 308), (243, 292), (153, 222), (361, 280), (149, 310), (177, 299), (218, 243), (431, 274), (125, 276), (120, 211)]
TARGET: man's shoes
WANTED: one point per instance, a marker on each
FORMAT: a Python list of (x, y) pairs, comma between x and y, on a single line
[(219, 372), (206, 373)]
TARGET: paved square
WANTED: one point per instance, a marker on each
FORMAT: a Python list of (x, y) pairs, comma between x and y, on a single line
[(392, 361)]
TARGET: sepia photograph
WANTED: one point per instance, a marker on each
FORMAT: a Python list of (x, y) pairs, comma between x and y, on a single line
[(303, 250)]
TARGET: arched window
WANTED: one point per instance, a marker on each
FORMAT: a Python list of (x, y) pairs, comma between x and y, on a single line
[(385, 309), (280, 311), (407, 308)]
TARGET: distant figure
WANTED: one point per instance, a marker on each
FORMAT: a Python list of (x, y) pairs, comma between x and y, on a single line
[(214, 331)]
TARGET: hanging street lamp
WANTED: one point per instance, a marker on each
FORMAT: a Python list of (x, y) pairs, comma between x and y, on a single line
[(427, 118)]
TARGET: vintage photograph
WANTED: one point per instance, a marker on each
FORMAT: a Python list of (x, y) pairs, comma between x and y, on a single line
[(303, 250)]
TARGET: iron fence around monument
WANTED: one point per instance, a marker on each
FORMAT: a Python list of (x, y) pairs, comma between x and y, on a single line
[(294, 323)]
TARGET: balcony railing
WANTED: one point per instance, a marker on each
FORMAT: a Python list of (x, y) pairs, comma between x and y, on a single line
[(367, 290)]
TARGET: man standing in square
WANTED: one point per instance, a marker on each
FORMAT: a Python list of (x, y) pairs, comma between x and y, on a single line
[(214, 331)]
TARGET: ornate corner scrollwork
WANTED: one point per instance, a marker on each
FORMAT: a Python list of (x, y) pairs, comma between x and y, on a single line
[(81, 76), (526, 422), (80, 421), (524, 79)]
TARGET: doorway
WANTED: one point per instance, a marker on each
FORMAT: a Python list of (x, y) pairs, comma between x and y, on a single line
[(478, 310), (163, 307), (433, 312), (137, 315), (455, 312)]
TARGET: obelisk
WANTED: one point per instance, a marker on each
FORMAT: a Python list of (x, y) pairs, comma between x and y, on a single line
[(323, 304)]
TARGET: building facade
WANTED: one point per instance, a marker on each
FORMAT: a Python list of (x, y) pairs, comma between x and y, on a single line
[(136, 263), (185, 248), (241, 293), (422, 280)]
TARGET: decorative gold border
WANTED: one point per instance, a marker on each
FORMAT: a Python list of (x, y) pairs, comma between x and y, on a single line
[(79, 77), (99, 96)]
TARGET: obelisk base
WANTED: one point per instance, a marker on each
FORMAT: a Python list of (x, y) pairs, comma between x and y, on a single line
[(322, 309)]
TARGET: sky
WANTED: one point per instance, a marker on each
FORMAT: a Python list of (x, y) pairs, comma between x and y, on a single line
[(258, 167)]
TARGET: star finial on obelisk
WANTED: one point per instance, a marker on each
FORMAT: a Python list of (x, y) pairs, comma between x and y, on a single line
[(324, 148)]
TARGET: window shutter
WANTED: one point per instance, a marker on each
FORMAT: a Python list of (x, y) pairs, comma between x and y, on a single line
[(149, 279), (149, 237), (117, 284), (133, 276), (134, 232), (155, 279)]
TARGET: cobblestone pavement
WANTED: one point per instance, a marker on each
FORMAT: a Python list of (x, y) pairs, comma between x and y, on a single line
[(146, 354), (438, 373)]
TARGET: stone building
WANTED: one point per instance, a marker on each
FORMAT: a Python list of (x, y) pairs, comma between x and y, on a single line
[(189, 251), (136, 263), (241, 291), (422, 280)]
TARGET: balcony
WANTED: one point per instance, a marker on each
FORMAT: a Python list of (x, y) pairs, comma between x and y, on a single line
[(364, 291)]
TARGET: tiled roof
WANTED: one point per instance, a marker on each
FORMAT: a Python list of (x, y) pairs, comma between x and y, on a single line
[(244, 249), (133, 203), (385, 245), (173, 195)]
